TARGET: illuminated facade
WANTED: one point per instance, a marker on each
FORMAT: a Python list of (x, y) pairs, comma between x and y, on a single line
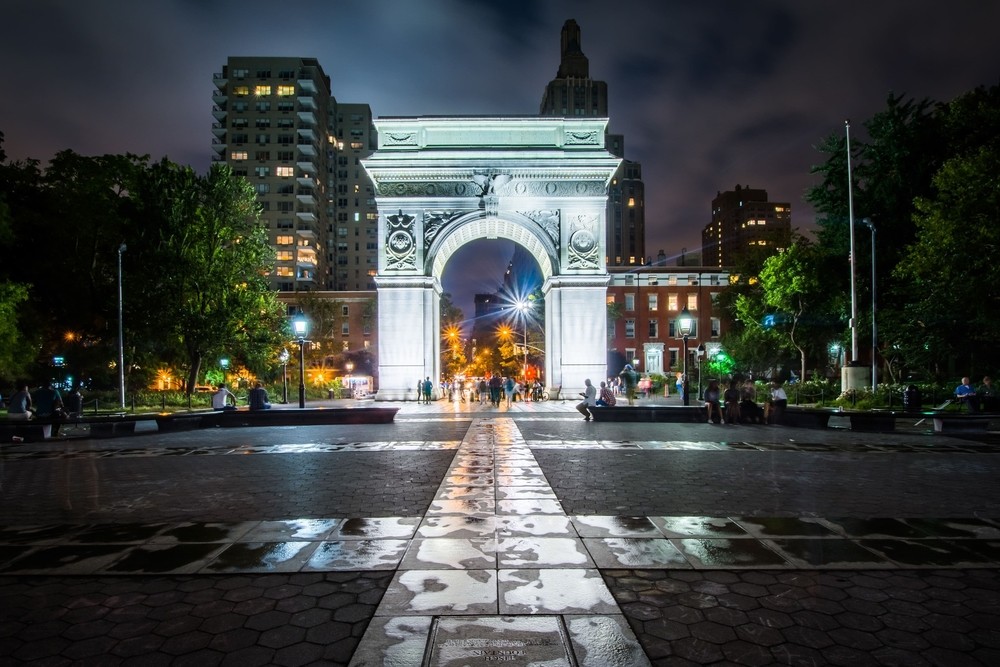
[(744, 223), (444, 182), (573, 94), (649, 301)]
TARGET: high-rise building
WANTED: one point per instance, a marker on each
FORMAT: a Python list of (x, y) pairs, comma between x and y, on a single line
[(574, 93), (271, 126), (745, 225), (353, 229)]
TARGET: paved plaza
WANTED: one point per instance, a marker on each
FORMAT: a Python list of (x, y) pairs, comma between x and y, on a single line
[(466, 535)]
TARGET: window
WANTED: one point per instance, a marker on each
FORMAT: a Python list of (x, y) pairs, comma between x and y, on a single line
[(238, 155), (283, 256), (241, 91), (263, 123), (716, 325), (285, 107), (239, 72), (345, 328), (284, 271), (672, 302), (284, 172), (286, 91), (652, 302), (262, 138), (630, 328), (240, 107), (286, 123), (262, 172), (263, 74), (262, 90), (284, 240), (630, 302), (630, 354), (262, 188), (263, 106), (285, 206), (675, 354), (692, 300), (654, 329), (262, 155)]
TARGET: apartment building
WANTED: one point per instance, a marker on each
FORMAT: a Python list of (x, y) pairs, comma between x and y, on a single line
[(745, 224)]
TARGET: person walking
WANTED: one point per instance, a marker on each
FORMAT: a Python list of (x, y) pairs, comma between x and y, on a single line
[(629, 380), (508, 390), (589, 400)]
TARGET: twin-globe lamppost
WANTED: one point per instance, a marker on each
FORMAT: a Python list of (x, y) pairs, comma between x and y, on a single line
[(283, 358), (524, 307), (684, 323), (300, 327), (121, 334)]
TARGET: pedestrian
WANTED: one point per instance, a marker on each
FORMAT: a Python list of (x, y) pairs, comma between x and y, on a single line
[(508, 389), (496, 388), (223, 399), (966, 395), (712, 406), (629, 380), (731, 401), (606, 398), (589, 400), (74, 402), (48, 405), (19, 406), (774, 410), (258, 399), (428, 389), (987, 395), (484, 390)]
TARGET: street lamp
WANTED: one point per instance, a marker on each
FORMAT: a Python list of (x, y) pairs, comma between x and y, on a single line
[(121, 334), (283, 358), (224, 363), (701, 354), (300, 327), (350, 380), (684, 323), (524, 307)]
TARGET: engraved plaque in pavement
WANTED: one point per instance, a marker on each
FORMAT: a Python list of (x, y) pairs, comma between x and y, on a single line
[(499, 640)]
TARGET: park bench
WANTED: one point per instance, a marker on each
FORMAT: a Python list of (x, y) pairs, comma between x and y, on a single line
[(961, 422), (677, 414)]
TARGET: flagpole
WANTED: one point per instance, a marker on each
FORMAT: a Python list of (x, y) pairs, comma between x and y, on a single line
[(850, 213)]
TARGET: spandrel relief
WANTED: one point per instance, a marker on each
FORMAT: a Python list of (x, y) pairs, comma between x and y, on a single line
[(400, 243), (584, 247)]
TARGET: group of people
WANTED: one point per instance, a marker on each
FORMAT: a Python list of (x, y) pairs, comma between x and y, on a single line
[(44, 403), (983, 399), (257, 398), (738, 404), (496, 389)]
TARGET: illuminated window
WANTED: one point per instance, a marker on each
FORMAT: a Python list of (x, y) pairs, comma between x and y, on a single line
[(356, 145), (284, 171), (631, 202), (238, 155), (261, 91), (283, 255), (241, 91), (692, 301), (284, 271), (611, 298), (286, 91), (672, 302), (284, 240)]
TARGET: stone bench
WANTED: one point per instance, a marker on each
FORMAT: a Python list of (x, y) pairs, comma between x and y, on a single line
[(26, 430), (275, 417), (806, 417), (677, 414), (961, 422)]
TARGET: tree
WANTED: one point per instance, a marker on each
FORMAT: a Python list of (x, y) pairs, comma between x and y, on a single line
[(200, 249), (792, 283), (955, 299)]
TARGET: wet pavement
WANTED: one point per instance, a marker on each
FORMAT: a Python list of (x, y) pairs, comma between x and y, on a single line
[(466, 535)]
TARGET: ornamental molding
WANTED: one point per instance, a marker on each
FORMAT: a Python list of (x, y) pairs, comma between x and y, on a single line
[(400, 242), (583, 247)]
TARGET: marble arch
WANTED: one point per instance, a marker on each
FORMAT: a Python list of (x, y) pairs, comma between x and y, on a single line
[(443, 182)]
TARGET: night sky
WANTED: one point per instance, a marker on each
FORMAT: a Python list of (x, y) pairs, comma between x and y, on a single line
[(708, 94)]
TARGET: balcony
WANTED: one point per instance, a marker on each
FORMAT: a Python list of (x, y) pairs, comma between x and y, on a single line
[(305, 181), (219, 130), (308, 216), (219, 146), (306, 103), (306, 196), (307, 148), (307, 116), (219, 98), (305, 232), (306, 166), (308, 133), (306, 85), (220, 80), (219, 112)]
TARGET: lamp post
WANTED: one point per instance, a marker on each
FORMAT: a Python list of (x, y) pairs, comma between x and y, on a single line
[(224, 363), (121, 333), (524, 307), (701, 354), (350, 380), (283, 358), (300, 326), (684, 322), (868, 223)]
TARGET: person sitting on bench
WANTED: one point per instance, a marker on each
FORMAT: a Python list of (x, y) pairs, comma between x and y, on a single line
[(966, 395)]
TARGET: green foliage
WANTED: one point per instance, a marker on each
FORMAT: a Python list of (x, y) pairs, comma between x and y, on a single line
[(15, 353)]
